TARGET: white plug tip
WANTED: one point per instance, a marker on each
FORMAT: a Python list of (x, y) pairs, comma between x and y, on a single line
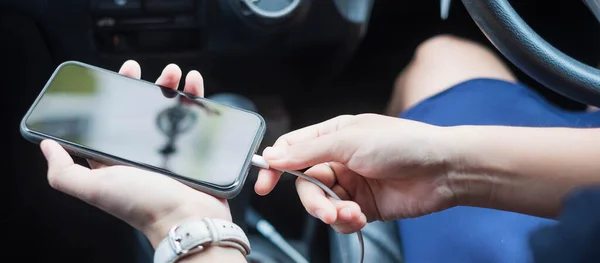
[(259, 162)]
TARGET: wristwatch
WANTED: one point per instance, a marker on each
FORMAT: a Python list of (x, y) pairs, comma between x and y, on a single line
[(194, 236)]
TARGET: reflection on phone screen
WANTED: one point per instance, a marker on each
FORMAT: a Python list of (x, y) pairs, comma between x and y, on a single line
[(146, 124)]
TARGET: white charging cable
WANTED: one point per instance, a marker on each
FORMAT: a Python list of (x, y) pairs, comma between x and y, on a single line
[(260, 162)]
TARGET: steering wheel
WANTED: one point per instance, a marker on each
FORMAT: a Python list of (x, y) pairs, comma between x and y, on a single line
[(533, 55)]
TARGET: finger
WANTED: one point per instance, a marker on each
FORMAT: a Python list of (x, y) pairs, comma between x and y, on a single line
[(322, 173), (314, 131), (341, 192), (350, 218), (349, 228), (131, 69), (194, 84), (66, 176), (96, 165), (335, 147), (267, 178), (315, 202), (170, 77), (266, 181), (348, 211)]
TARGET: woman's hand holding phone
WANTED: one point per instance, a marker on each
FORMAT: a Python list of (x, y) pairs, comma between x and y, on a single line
[(150, 202)]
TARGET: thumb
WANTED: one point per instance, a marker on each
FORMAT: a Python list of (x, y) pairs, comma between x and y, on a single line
[(57, 158), (66, 176), (334, 147)]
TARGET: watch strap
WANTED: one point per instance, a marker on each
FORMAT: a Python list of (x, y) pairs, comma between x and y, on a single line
[(195, 236)]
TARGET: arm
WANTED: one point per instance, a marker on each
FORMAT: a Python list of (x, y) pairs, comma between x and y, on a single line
[(394, 168), (524, 170)]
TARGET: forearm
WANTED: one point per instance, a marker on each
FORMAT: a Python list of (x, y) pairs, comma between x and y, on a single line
[(525, 170)]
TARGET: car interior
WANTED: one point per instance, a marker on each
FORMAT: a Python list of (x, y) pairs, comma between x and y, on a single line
[(299, 62)]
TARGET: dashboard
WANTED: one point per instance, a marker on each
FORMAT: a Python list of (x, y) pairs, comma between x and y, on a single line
[(263, 42)]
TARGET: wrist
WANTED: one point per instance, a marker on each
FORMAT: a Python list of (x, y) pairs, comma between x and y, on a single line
[(199, 237), (470, 176), (490, 172), (159, 229)]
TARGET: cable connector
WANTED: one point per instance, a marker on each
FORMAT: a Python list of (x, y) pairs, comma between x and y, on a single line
[(260, 162)]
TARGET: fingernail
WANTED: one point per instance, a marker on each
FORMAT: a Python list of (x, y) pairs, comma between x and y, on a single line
[(273, 153), (346, 213), (321, 215)]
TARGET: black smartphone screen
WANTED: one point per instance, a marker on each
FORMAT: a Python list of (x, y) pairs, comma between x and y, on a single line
[(146, 124)]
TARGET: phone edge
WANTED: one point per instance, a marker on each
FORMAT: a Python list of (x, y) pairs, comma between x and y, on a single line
[(227, 192)]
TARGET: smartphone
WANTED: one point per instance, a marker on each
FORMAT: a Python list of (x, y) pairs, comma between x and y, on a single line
[(104, 116)]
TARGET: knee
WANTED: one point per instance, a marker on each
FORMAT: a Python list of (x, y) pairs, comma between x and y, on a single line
[(449, 48)]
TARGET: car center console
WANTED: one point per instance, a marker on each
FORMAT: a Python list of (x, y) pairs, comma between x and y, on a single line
[(146, 26), (133, 26), (219, 25), (269, 45)]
